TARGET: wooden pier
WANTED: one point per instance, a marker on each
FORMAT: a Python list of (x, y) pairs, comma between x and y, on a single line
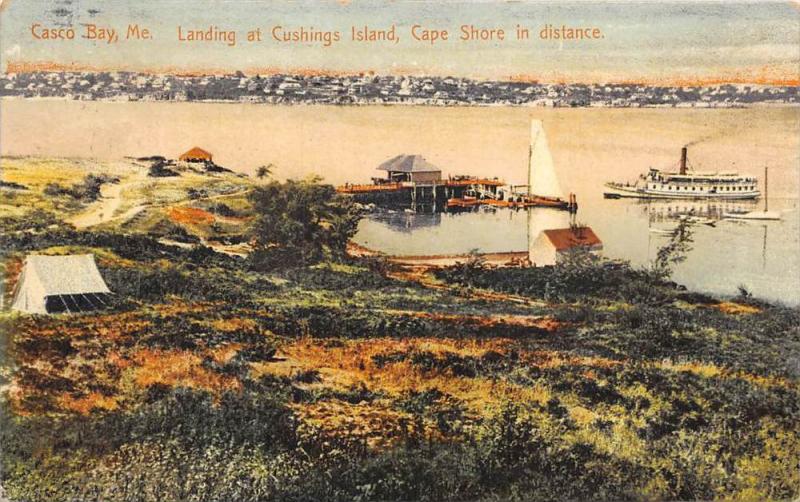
[(411, 192), (459, 192), (521, 202)]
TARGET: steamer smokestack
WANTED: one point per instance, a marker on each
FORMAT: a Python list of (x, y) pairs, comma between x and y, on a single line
[(683, 160)]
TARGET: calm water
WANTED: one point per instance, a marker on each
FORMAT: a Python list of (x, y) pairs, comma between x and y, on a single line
[(761, 256), (589, 147)]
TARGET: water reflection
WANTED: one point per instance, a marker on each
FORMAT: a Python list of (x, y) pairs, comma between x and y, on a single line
[(665, 211), (762, 256), (408, 221)]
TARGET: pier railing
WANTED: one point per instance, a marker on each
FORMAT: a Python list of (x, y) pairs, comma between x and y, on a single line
[(476, 181), (386, 187), (383, 187)]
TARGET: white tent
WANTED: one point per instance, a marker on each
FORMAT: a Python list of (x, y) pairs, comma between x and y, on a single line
[(51, 284)]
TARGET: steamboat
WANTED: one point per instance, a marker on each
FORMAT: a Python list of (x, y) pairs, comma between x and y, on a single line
[(686, 184)]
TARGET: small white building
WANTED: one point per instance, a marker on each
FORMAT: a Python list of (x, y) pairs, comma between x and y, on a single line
[(52, 284), (550, 246)]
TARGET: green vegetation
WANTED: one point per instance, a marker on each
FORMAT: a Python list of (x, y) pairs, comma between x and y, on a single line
[(88, 190), (160, 169), (299, 373), (57, 185), (32, 221), (299, 222)]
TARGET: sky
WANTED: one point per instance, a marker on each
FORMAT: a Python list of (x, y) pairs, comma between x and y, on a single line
[(670, 43)]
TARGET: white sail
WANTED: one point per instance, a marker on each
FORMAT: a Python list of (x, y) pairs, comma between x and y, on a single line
[(542, 178)]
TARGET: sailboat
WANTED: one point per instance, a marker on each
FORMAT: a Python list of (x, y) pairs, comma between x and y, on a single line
[(542, 190), (551, 230), (543, 186), (766, 214)]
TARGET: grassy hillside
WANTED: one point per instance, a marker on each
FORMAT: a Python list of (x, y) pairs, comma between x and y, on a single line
[(187, 202), (352, 378)]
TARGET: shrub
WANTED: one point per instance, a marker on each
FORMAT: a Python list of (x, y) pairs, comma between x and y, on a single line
[(222, 209), (87, 190), (160, 169), (299, 222), (35, 220)]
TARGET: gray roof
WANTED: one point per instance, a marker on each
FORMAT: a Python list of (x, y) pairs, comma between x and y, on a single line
[(67, 275), (408, 164)]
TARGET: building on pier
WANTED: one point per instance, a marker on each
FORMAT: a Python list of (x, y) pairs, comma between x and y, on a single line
[(410, 168)]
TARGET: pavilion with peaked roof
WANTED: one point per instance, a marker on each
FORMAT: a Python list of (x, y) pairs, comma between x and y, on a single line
[(196, 154), (412, 168)]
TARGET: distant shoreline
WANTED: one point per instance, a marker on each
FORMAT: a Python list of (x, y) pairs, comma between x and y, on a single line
[(403, 90), (401, 105)]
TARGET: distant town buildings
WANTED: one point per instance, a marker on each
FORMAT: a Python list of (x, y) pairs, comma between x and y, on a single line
[(376, 89)]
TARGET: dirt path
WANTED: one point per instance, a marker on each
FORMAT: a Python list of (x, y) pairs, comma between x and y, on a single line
[(113, 194), (237, 250), (111, 197), (227, 195)]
